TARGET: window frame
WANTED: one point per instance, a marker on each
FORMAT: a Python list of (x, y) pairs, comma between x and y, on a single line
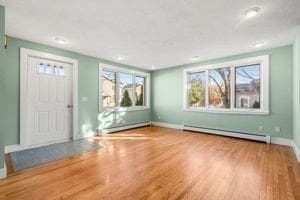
[(264, 86), (134, 73)]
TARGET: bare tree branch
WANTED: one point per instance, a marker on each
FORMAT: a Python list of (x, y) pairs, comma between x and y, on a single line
[(220, 89), (247, 74)]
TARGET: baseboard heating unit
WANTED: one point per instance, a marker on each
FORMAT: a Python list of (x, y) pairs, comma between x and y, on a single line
[(248, 136), (121, 128)]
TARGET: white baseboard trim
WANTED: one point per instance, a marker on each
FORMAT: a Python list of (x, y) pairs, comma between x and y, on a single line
[(297, 151), (281, 141), (167, 125), (87, 135), (121, 128), (11, 148), (287, 142), (3, 172)]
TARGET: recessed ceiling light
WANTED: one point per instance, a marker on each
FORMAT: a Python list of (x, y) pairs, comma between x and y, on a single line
[(120, 58), (195, 58), (152, 67), (60, 40), (251, 12), (258, 44)]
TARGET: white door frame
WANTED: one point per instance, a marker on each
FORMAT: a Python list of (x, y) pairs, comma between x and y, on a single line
[(24, 55)]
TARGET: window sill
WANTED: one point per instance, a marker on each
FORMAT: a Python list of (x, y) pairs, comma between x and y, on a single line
[(229, 111), (124, 109)]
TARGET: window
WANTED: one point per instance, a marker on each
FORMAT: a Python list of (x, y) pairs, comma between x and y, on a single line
[(247, 86), (126, 88), (197, 89), (44, 69), (47, 69), (234, 87), (219, 88), (122, 89), (139, 91), (59, 71), (108, 89)]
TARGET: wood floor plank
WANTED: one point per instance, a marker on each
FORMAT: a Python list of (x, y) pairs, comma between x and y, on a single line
[(160, 163)]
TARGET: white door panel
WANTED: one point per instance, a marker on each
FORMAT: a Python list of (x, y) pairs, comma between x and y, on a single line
[(49, 94)]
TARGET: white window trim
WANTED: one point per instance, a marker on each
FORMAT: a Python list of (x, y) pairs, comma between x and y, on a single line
[(128, 71), (264, 87)]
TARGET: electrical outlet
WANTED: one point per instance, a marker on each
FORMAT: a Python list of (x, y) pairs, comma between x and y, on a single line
[(277, 129), (260, 129)]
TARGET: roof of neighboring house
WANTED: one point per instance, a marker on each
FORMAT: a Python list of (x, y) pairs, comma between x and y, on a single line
[(252, 87), (131, 85), (103, 76)]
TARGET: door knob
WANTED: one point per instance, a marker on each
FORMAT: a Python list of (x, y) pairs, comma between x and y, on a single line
[(69, 106)]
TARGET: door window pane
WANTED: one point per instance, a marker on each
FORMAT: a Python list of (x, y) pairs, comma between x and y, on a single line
[(44, 69), (126, 88), (247, 86), (140, 91), (108, 89), (59, 71), (196, 89), (219, 88)]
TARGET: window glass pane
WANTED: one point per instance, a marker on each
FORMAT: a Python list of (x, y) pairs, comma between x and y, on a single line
[(219, 88), (139, 91), (126, 90), (247, 86), (108, 89), (59, 71), (196, 89), (48, 69), (41, 68), (44, 69)]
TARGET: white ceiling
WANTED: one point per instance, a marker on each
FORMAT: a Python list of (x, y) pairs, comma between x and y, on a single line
[(162, 33)]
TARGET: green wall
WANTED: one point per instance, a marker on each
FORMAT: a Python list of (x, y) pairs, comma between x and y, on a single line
[(89, 117), (167, 98), (2, 32), (297, 90)]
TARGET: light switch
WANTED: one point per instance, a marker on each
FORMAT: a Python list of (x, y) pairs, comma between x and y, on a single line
[(84, 99)]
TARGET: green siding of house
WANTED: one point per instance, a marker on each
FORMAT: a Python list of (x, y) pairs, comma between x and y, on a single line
[(297, 90), (2, 107), (167, 98), (89, 117)]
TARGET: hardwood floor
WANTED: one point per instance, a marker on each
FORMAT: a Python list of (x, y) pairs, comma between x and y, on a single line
[(160, 163)]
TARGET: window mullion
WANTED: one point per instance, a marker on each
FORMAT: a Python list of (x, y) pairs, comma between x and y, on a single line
[(206, 89), (232, 87), (117, 89), (133, 91)]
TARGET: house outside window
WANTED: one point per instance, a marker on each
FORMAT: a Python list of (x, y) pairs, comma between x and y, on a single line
[(239, 86), (122, 89)]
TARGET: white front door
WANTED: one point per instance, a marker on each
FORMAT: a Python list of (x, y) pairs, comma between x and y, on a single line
[(49, 101)]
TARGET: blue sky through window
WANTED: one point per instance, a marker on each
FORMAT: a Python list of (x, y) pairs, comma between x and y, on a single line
[(110, 75), (125, 79), (246, 74)]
